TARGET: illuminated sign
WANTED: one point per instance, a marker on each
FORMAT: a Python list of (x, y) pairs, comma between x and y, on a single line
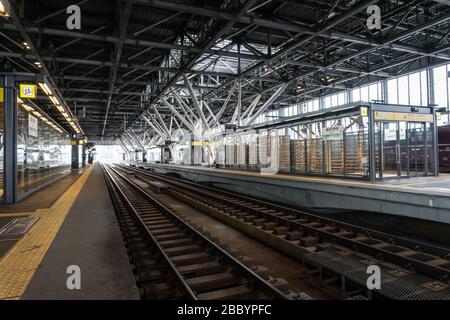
[(28, 91), (2, 95)]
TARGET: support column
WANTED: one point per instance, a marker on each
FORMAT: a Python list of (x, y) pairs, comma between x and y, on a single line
[(430, 86), (371, 140), (384, 91), (84, 155), (75, 155), (10, 140)]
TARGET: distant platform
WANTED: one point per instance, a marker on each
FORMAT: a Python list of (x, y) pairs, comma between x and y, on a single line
[(425, 198)]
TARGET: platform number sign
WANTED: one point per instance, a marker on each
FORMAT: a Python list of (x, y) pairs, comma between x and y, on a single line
[(27, 91)]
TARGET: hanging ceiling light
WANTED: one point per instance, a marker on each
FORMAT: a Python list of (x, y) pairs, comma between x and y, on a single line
[(3, 12)]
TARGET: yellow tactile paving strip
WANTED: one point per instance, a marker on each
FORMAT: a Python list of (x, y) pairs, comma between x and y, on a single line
[(18, 265)]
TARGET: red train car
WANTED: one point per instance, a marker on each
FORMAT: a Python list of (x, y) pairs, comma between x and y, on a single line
[(444, 148)]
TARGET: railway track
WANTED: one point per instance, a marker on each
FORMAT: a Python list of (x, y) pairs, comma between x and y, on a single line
[(173, 260), (334, 252)]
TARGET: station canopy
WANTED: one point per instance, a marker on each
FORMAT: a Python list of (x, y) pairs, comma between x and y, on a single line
[(151, 66)]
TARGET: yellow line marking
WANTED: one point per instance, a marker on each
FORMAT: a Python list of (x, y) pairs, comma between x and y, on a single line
[(19, 264)]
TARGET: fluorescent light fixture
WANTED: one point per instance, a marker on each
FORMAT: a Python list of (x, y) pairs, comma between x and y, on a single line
[(45, 88), (27, 107), (54, 100)]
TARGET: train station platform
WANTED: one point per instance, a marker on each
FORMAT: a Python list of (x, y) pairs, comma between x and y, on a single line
[(73, 225), (425, 198)]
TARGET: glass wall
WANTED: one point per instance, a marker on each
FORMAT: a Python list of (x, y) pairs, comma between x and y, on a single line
[(333, 147), (411, 89), (441, 90), (43, 153)]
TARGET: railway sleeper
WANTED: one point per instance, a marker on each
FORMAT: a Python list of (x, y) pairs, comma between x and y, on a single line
[(176, 242), (261, 271), (201, 269), (250, 218), (145, 263), (294, 235), (166, 231), (155, 220), (159, 291), (187, 259), (242, 292), (214, 281), (309, 241), (259, 221), (153, 276), (160, 226), (182, 250), (290, 248), (280, 230), (170, 236)]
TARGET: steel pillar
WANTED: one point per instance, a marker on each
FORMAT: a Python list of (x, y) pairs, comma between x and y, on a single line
[(10, 140), (371, 140)]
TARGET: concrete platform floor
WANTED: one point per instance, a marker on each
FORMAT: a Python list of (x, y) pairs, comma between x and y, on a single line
[(7, 242), (430, 185), (89, 238)]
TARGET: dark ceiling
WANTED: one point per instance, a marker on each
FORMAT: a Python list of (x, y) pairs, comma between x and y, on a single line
[(130, 52)]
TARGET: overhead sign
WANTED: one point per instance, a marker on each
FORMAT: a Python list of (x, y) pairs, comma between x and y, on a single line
[(32, 126), (364, 111), (402, 116), (333, 133), (2, 95), (28, 91)]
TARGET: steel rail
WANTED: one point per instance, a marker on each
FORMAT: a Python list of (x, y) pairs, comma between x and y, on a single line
[(130, 206), (258, 282), (404, 261)]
